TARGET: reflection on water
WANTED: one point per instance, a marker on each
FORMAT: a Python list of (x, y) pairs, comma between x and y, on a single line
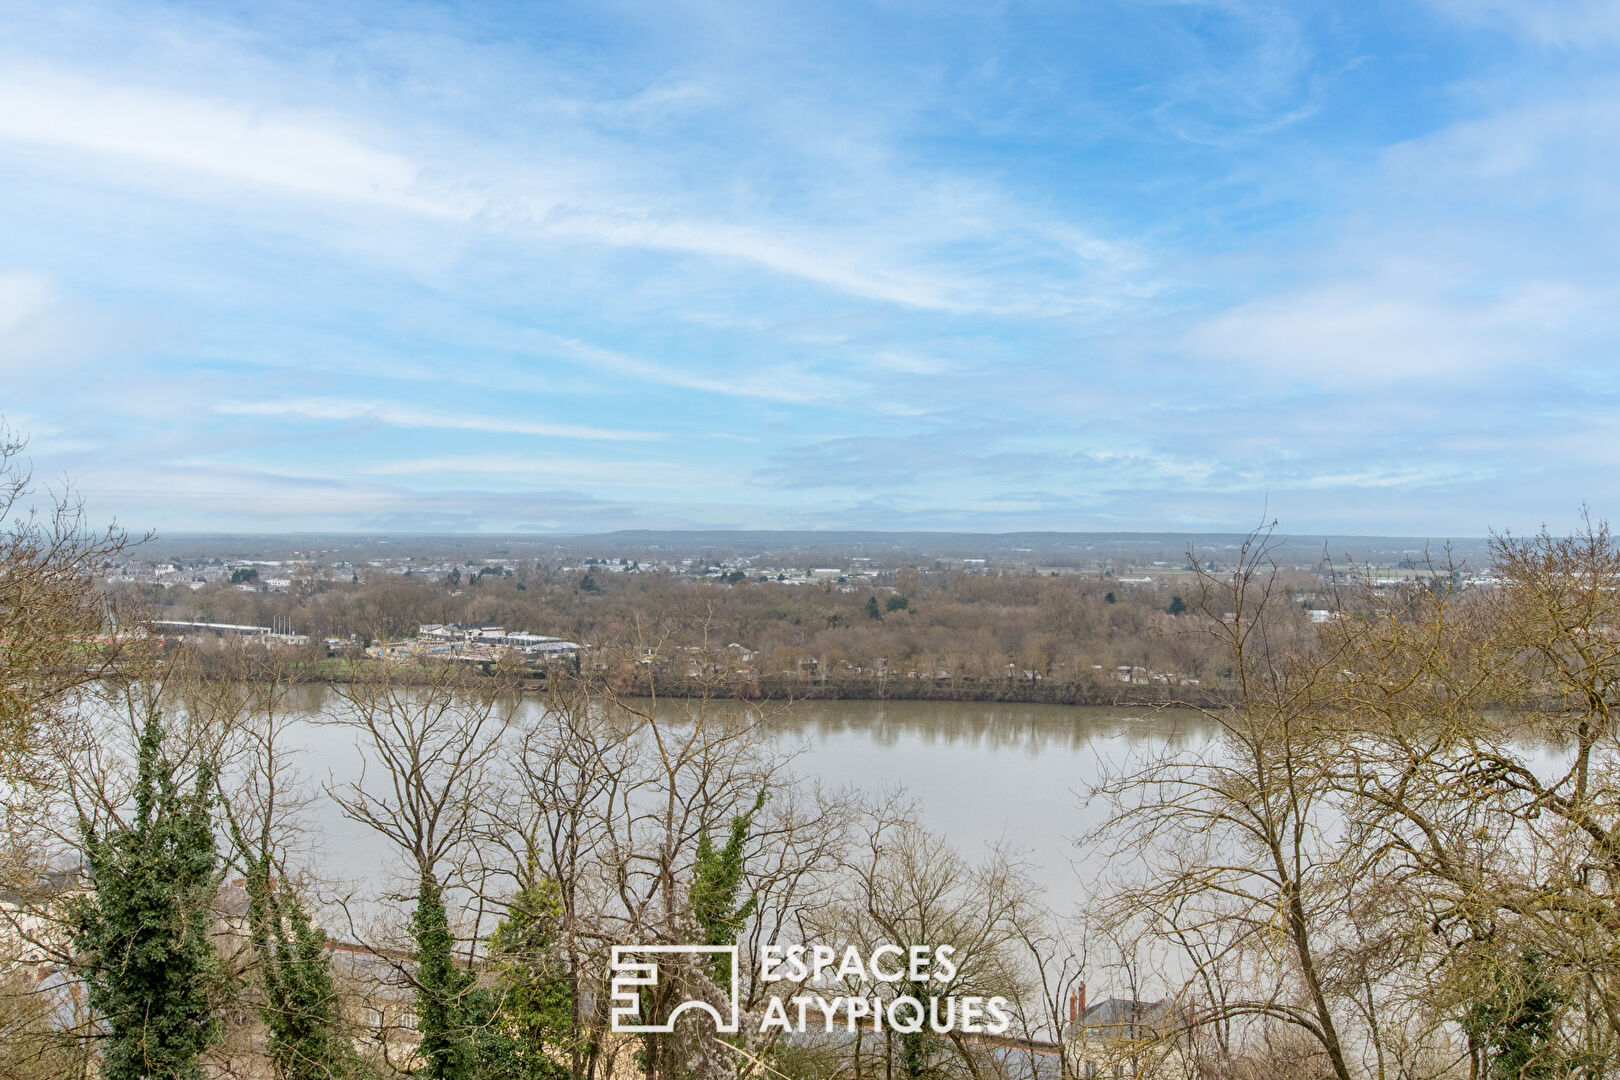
[(980, 773), (986, 725), (991, 726)]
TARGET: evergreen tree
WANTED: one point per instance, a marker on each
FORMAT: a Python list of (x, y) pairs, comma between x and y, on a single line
[(499, 1051), (915, 1046), (872, 609), (527, 1010), (717, 875), (441, 990), (141, 939), (1516, 1024), (300, 1009)]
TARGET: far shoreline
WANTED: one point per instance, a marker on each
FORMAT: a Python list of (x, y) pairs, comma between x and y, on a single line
[(963, 689)]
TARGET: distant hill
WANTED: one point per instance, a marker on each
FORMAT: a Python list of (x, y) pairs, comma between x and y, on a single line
[(799, 548)]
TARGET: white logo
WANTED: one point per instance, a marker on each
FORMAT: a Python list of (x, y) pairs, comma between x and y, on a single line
[(630, 974), (918, 980)]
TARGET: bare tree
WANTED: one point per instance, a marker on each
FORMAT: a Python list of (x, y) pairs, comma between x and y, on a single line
[(905, 887), (1241, 869), (429, 738), (58, 635), (1481, 790)]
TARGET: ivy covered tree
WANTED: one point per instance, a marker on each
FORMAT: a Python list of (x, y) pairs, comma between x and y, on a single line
[(916, 1047), (1514, 1028), (717, 877), (305, 1040), (442, 990), (526, 1012), (141, 937), (435, 739)]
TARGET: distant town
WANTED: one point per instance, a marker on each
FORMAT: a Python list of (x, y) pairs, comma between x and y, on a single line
[(1063, 617)]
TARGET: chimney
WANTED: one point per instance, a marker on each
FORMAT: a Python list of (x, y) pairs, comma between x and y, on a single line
[(1077, 1004)]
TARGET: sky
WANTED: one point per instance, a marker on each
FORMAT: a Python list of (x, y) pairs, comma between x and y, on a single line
[(1178, 265)]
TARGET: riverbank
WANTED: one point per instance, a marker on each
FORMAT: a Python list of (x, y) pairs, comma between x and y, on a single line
[(967, 689), (743, 686), (1024, 692)]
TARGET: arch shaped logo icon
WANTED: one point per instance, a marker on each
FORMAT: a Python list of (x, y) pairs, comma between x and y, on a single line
[(636, 966)]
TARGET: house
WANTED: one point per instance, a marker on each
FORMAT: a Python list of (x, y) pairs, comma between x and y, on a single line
[(1124, 1037)]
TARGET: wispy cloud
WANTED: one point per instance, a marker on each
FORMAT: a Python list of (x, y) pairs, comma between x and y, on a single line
[(1580, 24), (229, 140), (317, 409), (769, 384), (1408, 325), (22, 296), (642, 474), (905, 259), (1138, 264)]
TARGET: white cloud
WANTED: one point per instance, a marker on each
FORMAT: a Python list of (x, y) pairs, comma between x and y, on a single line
[(22, 296), (878, 240), (408, 416), (1396, 476), (784, 385), (903, 362), (1402, 325), (1559, 23), (832, 264), (625, 474), (1549, 151), (774, 384), (46, 328), (299, 154)]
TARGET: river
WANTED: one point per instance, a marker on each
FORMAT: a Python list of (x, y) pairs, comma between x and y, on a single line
[(980, 773)]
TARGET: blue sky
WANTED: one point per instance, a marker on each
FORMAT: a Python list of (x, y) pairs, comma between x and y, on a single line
[(1094, 265)]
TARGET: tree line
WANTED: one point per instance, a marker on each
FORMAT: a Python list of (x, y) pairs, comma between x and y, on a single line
[(1397, 858), (945, 626)]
